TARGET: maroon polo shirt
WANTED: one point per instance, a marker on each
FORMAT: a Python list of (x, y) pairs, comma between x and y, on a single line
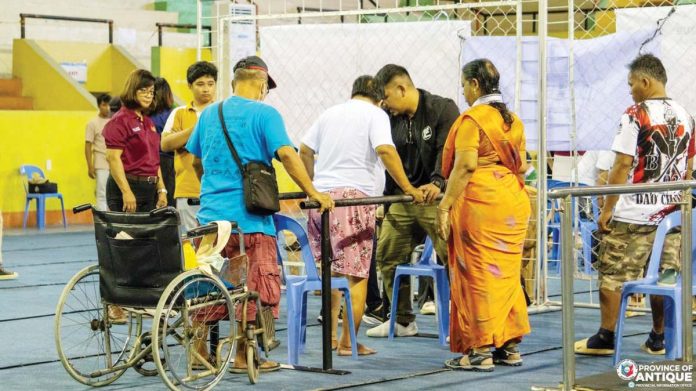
[(137, 138)]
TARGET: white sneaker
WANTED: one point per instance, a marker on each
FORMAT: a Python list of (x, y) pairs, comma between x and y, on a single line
[(428, 308), (382, 331)]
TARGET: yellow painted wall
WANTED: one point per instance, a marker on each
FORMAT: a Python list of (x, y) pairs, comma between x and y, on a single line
[(33, 137), (122, 64), (45, 81), (97, 57), (172, 63)]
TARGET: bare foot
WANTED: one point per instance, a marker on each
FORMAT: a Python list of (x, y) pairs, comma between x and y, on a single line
[(362, 351)]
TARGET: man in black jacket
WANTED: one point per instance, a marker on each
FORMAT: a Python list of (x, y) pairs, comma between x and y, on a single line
[(420, 122)]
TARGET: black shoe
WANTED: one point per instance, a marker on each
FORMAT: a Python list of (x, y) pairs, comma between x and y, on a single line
[(374, 317), (320, 318), (655, 344), (600, 344)]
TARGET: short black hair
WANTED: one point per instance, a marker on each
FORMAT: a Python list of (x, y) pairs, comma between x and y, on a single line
[(366, 86), (650, 66), (200, 69), (388, 73), (103, 98)]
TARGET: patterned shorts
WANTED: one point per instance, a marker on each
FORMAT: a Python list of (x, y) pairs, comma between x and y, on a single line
[(624, 253)]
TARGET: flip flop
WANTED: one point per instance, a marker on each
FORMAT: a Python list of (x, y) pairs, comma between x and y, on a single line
[(261, 368)]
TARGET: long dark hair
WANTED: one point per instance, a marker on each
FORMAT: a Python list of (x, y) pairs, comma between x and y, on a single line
[(488, 78), (164, 99)]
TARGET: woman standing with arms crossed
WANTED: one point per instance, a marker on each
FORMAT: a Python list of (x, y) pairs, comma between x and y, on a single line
[(487, 209)]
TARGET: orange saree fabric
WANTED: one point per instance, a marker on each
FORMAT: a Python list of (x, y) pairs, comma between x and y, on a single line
[(489, 223)]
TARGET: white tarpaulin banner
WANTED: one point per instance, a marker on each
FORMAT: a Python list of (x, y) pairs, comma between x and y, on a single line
[(677, 47), (601, 89), (315, 64)]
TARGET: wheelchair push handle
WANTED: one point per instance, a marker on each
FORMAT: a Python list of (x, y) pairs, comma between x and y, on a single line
[(209, 228), (162, 211), (81, 208)]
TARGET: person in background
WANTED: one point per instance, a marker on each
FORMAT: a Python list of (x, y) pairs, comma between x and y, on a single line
[(4, 273), (202, 79), (348, 140), (162, 107), (95, 149), (132, 150), (486, 209)]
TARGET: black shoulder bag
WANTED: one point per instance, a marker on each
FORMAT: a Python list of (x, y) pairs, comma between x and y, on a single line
[(258, 180)]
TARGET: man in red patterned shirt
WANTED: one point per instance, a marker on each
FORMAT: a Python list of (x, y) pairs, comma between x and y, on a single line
[(655, 143)]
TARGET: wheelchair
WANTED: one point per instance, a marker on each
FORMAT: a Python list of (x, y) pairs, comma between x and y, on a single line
[(171, 313)]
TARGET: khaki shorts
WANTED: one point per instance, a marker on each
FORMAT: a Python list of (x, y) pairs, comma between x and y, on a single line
[(624, 253)]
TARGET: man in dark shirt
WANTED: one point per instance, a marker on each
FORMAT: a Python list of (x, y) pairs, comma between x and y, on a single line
[(420, 122)]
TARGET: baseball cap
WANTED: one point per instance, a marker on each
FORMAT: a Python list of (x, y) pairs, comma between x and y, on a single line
[(255, 62)]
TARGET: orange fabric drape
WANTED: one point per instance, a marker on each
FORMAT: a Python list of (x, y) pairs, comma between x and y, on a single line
[(489, 224)]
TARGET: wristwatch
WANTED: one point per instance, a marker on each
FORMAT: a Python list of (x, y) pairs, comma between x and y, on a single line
[(440, 183), (163, 190)]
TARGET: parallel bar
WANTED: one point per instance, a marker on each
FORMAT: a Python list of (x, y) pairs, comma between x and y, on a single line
[(23, 17), (326, 292), (686, 269), (621, 189), (393, 199), (567, 314), (292, 196), (196, 27)]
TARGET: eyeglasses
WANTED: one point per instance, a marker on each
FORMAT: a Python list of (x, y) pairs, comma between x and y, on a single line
[(147, 91)]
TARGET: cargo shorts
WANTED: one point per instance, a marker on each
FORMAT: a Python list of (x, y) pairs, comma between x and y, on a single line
[(624, 253)]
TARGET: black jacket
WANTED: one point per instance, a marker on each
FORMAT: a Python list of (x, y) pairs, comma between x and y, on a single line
[(419, 140)]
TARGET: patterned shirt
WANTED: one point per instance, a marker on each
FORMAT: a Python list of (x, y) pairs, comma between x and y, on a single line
[(659, 134)]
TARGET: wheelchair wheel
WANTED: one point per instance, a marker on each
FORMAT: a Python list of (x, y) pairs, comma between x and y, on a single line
[(188, 306), (252, 360), (89, 345)]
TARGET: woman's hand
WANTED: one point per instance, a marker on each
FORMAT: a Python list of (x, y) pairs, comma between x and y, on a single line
[(443, 223), (417, 194), (161, 200), (326, 203), (129, 203)]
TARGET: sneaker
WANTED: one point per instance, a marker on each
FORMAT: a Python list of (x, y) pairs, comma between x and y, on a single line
[(374, 317), (668, 277), (382, 331), (320, 318), (600, 344), (7, 275), (655, 344), (507, 355), (428, 308), (480, 361)]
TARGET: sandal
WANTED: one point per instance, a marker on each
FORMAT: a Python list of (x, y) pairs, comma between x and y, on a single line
[(508, 355), (475, 361)]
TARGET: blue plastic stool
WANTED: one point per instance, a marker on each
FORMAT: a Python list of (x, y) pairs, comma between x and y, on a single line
[(426, 267), (648, 285), (28, 170), (298, 286)]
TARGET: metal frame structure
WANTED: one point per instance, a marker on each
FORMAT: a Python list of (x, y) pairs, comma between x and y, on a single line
[(568, 262)]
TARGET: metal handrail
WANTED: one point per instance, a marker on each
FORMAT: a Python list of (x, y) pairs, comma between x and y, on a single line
[(23, 17), (567, 266), (160, 26)]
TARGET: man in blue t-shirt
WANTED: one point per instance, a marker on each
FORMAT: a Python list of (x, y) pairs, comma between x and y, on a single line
[(258, 134)]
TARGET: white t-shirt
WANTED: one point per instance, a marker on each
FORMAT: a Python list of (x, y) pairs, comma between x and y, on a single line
[(659, 134), (345, 138), (591, 163)]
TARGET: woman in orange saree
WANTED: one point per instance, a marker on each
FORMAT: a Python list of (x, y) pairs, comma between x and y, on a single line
[(486, 209)]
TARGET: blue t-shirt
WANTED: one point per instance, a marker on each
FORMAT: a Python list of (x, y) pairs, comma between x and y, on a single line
[(257, 131)]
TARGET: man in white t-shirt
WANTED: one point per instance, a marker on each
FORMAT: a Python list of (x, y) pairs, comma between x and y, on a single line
[(95, 149), (350, 139), (654, 144)]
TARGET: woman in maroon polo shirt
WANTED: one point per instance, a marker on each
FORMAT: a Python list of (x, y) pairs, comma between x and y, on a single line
[(132, 150)]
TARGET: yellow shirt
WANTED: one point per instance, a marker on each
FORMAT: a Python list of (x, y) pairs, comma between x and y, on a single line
[(187, 183)]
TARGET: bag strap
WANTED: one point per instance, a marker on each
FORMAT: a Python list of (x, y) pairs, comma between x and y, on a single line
[(229, 141)]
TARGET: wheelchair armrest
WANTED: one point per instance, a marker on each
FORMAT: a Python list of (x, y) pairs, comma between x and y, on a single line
[(81, 208)]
